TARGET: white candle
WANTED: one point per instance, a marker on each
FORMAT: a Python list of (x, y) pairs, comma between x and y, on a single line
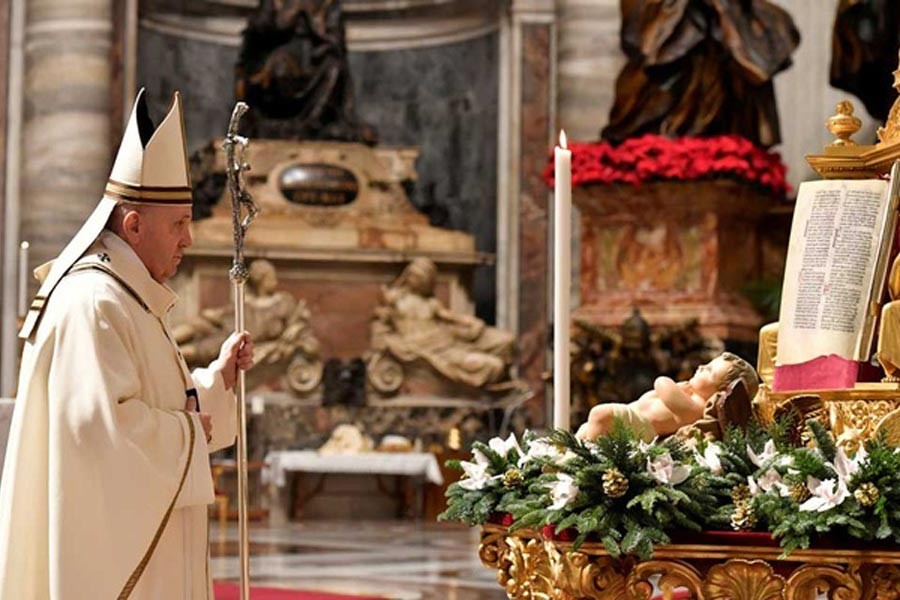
[(23, 279), (562, 264)]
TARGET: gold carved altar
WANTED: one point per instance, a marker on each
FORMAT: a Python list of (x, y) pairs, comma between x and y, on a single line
[(530, 567)]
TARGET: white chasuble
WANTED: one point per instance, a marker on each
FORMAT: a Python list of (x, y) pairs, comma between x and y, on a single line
[(107, 479)]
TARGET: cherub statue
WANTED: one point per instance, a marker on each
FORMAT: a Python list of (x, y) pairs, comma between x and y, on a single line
[(411, 324), (671, 405), (279, 324)]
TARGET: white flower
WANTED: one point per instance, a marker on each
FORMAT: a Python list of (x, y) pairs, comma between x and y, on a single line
[(644, 446), (476, 475), (539, 448), (710, 458), (825, 494), (563, 492), (692, 443), (664, 470), (502, 447), (569, 455), (768, 453), (770, 480), (846, 467)]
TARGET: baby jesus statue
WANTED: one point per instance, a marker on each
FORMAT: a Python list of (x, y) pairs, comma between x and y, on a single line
[(671, 405)]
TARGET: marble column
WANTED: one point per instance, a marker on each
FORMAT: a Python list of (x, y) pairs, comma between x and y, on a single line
[(589, 63), (11, 26), (63, 145), (526, 133), (66, 132)]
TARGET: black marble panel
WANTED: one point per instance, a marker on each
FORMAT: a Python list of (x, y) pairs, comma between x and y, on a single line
[(441, 98)]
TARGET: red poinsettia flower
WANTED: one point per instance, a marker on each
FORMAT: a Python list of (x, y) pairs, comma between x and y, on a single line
[(654, 158)]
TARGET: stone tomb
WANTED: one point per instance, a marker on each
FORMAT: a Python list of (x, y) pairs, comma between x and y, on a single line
[(336, 222)]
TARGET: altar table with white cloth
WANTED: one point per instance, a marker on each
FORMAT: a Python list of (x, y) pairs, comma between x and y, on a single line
[(418, 465)]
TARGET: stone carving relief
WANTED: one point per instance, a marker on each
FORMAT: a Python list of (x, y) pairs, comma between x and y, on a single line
[(412, 330), (286, 349)]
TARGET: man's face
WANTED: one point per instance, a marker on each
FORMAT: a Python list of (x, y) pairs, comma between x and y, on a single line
[(164, 233), (708, 378)]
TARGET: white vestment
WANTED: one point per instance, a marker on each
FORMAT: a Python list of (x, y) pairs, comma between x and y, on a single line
[(107, 478)]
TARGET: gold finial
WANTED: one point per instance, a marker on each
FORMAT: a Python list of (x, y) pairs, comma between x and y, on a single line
[(843, 124)]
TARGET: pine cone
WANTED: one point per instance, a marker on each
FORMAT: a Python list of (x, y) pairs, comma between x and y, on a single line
[(867, 494), (743, 518), (512, 478), (615, 485), (740, 494), (799, 493)]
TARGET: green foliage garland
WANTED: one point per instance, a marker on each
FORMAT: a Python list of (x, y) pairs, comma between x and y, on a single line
[(631, 496)]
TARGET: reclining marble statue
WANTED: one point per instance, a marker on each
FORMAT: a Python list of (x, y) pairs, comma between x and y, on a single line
[(279, 321), (411, 324), (671, 406)]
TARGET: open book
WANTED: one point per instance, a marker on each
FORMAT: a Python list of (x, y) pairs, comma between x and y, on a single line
[(837, 262)]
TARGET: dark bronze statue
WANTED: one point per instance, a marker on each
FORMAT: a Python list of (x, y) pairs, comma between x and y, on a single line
[(864, 52), (701, 67), (293, 71)]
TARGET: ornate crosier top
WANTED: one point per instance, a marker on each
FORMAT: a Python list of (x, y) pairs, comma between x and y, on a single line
[(241, 200)]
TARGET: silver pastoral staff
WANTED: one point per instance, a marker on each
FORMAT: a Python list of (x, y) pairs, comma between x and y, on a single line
[(244, 211)]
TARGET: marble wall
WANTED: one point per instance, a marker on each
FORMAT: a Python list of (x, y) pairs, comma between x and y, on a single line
[(441, 97), (589, 62)]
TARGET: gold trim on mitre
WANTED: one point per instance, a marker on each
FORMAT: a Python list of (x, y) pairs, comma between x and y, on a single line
[(151, 167)]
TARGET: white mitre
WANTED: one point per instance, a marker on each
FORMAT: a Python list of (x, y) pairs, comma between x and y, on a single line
[(151, 167)]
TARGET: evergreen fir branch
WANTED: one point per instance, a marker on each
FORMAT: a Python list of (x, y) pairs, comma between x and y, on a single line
[(823, 438), (811, 463)]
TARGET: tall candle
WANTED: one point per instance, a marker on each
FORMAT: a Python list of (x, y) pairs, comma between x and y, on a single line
[(562, 264), (23, 279)]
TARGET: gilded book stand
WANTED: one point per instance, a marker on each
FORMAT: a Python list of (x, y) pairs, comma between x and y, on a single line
[(871, 408)]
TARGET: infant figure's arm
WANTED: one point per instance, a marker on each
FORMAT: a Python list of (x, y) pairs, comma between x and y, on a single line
[(665, 386), (680, 399)]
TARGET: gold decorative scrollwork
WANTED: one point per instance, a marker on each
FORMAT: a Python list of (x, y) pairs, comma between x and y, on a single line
[(740, 579), (835, 582), (581, 576), (885, 583), (525, 571), (530, 568), (860, 415), (673, 574), (491, 548)]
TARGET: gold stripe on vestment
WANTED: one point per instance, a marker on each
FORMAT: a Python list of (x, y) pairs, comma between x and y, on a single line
[(139, 570)]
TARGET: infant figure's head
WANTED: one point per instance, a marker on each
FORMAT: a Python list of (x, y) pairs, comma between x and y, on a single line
[(719, 373)]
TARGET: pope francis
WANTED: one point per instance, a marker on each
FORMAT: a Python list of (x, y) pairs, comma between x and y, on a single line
[(107, 478)]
